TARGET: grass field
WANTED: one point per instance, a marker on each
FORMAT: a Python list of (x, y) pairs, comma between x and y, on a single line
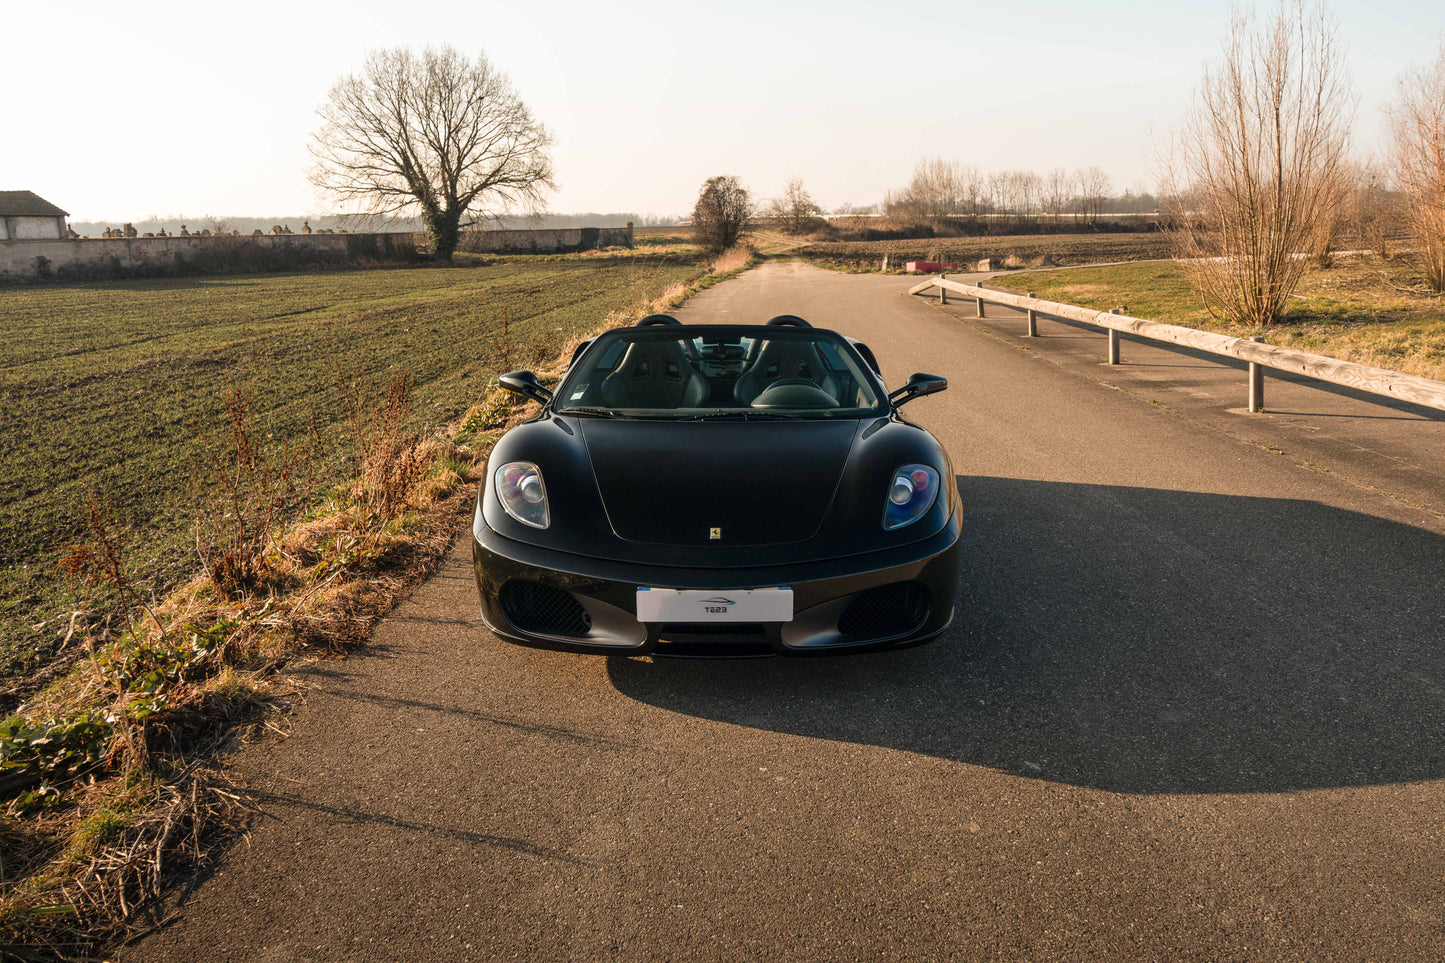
[(672, 238), (108, 386), (1027, 250), (1361, 311)]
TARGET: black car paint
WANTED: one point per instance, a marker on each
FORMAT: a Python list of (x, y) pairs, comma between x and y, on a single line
[(748, 461), (583, 521), (609, 588), (799, 502)]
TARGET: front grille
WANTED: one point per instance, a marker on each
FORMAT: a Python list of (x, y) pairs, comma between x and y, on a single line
[(734, 640), (544, 609), (884, 612)]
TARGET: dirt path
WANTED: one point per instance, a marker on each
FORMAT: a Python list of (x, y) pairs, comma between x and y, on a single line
[(773, 244)]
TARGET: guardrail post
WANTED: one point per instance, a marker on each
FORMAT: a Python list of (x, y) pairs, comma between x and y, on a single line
[(1390, 384), (1033, 331), (978, 302), (1256, 381), (942, 291)]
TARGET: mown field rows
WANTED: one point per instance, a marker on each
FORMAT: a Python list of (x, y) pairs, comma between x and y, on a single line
[(110, 387)]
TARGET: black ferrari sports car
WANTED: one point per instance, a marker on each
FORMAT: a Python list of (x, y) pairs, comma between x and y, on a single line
[(690, 482)]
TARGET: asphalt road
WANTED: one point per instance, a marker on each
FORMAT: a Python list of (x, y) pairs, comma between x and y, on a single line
[(1192, 707)]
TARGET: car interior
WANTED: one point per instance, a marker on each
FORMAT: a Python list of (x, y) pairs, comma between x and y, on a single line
[(776, 367)]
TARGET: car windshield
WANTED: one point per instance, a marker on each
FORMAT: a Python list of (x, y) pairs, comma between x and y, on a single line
[(719, 373)]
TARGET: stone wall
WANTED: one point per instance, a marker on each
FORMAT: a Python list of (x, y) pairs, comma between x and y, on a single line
[(547, 241), (121, 257), (25, 228), (171, 256)]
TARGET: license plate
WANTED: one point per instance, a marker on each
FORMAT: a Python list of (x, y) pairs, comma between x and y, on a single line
[(706, 605)]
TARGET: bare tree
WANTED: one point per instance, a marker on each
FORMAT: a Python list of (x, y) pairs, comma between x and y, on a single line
[(722, 211), (1256, 166), (1057, 192), (995, 189), (1332, 215), (970, 190), (795, 209), (1092, 188), (1029, 186), (938, 188), (432, 135), (1373, 209), (941, 188), (1417, 122)]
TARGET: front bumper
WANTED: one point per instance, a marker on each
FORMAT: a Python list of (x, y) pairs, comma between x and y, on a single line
[(826, 596)]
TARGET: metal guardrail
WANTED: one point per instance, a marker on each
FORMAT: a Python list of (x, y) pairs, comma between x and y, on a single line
[(1349, 374)]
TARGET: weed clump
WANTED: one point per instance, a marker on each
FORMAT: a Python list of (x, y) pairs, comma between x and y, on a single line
[(250, 490), (387, 459)]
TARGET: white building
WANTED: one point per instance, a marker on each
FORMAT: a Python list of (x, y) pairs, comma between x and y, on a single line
[(25, 216)]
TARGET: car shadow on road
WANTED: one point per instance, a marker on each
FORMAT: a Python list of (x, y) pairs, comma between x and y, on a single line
[(284, 805), (1137, 640), (486, 719)]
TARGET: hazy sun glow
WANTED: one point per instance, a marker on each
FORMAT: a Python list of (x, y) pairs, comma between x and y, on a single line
[(122, 111)]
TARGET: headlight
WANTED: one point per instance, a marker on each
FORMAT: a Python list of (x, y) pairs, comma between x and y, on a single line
[(911, 494), (520, 489)]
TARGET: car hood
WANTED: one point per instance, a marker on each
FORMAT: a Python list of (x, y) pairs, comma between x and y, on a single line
[(727, 483), (652, 491)]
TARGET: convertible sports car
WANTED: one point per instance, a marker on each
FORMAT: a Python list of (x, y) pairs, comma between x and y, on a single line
[(686, 483)]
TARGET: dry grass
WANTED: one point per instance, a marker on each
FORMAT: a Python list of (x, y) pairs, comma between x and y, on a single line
[(83, 859), (118, 861), (732, 260), (193, 676), (1371, 312)]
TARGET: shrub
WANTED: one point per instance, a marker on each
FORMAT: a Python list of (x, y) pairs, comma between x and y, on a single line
[(722, 211)]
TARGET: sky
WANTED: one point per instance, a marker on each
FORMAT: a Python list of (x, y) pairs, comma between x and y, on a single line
[(205, 109)]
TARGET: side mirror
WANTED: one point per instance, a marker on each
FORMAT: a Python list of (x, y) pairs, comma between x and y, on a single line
[(524, 383), (918, 385)]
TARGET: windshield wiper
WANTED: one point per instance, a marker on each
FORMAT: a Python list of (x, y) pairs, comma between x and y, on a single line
[(744, 414), (589, 410)]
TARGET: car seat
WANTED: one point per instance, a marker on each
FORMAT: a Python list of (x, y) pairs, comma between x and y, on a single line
[(655, 374), (784, 358)]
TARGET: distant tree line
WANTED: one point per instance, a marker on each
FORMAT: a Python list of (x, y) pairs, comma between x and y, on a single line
[(172, 223), (943, 188)]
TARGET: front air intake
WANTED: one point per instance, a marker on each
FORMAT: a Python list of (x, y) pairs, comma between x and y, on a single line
[(544, 610), (884, 612)]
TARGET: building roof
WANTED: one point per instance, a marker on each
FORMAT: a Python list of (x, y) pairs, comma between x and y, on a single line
[(28, 204)]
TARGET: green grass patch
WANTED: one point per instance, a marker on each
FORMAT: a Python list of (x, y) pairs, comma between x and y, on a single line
[(1023, 250), (1370, 312), (97, 830), (111, 385), (1156, 290)]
